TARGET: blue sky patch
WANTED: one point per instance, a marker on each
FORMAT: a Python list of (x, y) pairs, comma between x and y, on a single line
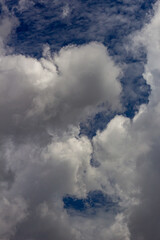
[(95, 200)]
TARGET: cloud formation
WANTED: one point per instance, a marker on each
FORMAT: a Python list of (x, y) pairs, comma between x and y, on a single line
[(43, 158), (145, 217), (54, 93)]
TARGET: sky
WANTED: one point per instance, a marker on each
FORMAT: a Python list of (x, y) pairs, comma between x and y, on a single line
[(79, 119)]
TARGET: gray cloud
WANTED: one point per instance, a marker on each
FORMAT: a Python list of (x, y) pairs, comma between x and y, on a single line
[(55, 93), (144, 220), (43, 158)]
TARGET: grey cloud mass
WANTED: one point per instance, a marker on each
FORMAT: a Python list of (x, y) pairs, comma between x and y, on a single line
[(56, 92), (44, 158)]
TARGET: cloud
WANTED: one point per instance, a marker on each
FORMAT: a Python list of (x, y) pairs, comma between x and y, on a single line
[(55, 93), (128, 151), (6, 26), (44, 171), (43, 177), (66, 11), (14, 210), (24, 5), (144, 218), (43, 158)]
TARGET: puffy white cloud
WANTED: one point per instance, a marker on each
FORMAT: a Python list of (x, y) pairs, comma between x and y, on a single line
[(43, 158), (54, 93), (42, 177), (128, 152), (144, 219)]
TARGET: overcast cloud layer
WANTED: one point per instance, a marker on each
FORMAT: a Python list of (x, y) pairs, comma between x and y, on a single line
[(43, 158)]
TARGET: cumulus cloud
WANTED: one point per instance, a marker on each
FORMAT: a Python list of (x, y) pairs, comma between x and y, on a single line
[(43, 158), (145, 218), (54, 93), (128, 151)]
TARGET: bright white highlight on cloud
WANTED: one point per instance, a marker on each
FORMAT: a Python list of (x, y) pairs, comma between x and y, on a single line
[(43, 158), (65, 11), (58, 92)]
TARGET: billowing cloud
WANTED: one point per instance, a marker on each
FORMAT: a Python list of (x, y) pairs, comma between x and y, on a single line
[(54, 93), (145, 217), (129, 150), (43, 158)]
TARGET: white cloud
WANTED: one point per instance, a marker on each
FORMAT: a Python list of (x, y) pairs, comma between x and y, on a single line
[(8, 23), (57, 92), (41, 105), (66, 11), (43, 158)]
